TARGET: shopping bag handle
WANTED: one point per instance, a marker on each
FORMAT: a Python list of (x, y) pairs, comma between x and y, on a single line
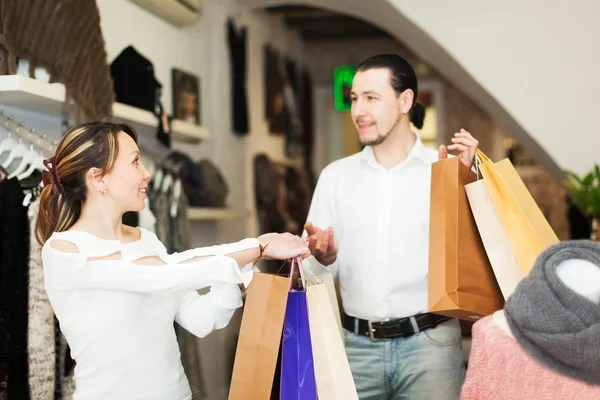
[(480, 158), (479, 153), (296, 262), (313, 273)]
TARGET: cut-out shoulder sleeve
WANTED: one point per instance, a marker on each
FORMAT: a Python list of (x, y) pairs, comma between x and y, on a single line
[(64, 270), (64, 246)]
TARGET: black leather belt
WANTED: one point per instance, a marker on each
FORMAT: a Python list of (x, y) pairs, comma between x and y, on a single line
[(391, 329)]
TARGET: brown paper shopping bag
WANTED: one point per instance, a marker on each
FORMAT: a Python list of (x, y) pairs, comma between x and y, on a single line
[(496, 244), (461, 281), (526, 228), (332, 369), (260, 337)]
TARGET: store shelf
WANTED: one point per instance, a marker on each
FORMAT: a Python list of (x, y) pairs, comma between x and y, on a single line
[(288, 162), (215, 214), (48, 98), (31, 94), (188, 131)]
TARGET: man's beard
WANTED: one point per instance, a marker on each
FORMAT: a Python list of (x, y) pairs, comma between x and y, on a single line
[(381, 138)]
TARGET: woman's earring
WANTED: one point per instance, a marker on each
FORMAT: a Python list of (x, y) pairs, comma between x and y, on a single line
[(103, 191)]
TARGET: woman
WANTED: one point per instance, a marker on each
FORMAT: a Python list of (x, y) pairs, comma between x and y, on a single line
[(114, 289)]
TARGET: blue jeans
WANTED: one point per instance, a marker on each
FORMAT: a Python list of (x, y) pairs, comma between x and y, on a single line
[(426, 366)]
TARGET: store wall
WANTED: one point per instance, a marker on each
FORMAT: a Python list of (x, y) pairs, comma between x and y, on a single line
[(203, 50), (537, 59)]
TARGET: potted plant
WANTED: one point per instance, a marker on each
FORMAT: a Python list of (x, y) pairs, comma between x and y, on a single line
[(585, 193)]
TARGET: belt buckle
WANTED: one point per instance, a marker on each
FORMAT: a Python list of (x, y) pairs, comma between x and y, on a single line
[(371, 330)]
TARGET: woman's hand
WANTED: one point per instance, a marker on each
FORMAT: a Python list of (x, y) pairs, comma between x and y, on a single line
[(283, 246)]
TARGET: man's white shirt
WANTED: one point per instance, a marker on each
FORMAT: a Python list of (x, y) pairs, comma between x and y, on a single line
[(380, 220)]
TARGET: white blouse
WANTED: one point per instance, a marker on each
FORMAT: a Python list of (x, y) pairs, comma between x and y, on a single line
[(118, 316)]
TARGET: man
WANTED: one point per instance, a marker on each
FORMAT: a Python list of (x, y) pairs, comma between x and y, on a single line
[(377, 204)]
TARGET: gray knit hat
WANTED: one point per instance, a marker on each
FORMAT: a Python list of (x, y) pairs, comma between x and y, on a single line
[(555, 325)]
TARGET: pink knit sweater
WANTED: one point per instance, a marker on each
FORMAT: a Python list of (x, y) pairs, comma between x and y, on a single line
[(500, 370)]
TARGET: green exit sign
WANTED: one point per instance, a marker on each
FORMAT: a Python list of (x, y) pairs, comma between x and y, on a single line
[(342, 85)]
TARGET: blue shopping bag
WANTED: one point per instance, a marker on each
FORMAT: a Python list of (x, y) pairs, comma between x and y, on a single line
[(297, 366)]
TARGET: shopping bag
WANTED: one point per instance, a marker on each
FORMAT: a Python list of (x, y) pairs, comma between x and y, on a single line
[(526, 228), (315, 275), (496, 243), (461, 280), (332, 370), (297, 367), (260, 337)]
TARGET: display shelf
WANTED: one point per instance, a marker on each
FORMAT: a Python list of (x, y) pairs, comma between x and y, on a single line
[(288, 162), (48, 98), (215, 214)]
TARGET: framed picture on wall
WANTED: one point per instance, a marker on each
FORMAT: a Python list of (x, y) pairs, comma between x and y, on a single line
[(186, 96)]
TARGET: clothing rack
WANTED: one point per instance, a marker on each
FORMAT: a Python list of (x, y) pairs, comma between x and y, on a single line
[(154, 151), (30, 135)]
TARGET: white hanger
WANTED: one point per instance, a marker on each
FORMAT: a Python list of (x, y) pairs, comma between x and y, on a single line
[(166, 184), (176, 196), (25, 161), (8, 143), (157, 179), (36, 163), (16, 152)]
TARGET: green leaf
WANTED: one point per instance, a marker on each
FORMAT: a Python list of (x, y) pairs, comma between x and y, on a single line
[(572, 175), (585, 190), (588, 180), (570, 186)]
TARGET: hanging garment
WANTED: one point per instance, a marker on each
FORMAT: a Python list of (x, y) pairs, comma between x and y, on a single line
[(64, 384), (292, 74), (306, 111), (273, 81), (179, 229), (191, 178), (216, 189), (41, 346), (298, 196), (147, 220), (293, 124), (237, 56), (14, 259), (161, 211), (163, 130), (203, 183)]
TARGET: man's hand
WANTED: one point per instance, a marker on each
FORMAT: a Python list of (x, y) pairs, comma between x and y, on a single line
[(321, 243), (465, 144)]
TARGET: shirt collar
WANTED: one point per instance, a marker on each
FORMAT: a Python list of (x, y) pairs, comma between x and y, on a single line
[(417, 152)]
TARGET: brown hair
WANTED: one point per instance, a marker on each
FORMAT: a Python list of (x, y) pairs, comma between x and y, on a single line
[(90, 145)]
